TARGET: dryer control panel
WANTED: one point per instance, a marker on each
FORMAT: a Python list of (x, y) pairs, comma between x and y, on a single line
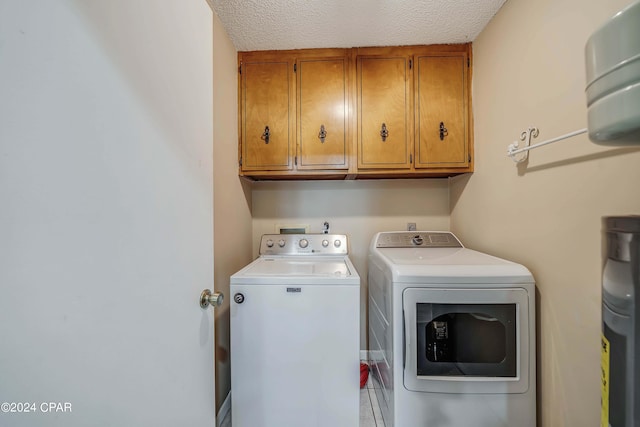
[(417, 239)]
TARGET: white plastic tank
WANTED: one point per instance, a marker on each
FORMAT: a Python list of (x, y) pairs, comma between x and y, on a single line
[(613, 79)]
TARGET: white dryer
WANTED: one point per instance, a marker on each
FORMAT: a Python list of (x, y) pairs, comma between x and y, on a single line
[(451, 334), (295, 335)]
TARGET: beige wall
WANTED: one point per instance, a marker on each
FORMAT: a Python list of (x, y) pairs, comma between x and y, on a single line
[(529, 70), (357, 208), (232, 201)]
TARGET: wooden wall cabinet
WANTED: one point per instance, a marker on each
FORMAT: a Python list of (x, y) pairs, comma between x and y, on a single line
[(322, 120), (385, 129), (267, 125), (441, 111), (421, 95), (302, 99), (388, 112)]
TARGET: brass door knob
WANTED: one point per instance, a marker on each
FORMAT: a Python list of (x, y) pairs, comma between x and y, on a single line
[(208, 298)]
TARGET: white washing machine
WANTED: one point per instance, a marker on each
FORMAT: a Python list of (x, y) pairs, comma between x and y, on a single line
[(451, 334), (295, 335)]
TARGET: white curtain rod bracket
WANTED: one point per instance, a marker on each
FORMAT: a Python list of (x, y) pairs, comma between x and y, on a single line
[(526, 136)]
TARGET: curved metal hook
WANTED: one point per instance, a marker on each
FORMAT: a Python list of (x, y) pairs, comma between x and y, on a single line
[(266, 135), (323, 134), (384, 132), (526, 137), (443, 131)]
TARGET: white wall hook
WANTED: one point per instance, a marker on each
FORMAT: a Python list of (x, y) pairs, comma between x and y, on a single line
[(530, 133), (526, 137)]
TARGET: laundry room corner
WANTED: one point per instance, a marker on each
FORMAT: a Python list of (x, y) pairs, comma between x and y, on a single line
[(546, 213)]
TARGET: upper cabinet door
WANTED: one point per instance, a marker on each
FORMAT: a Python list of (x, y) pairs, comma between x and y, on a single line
[(323, 113), (268, 118), (441, 131), (384, 112)]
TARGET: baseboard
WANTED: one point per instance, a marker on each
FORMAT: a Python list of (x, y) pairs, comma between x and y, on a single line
[(224, 409), (376, 355)]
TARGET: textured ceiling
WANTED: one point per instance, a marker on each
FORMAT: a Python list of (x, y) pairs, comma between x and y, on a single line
[(298, 24)]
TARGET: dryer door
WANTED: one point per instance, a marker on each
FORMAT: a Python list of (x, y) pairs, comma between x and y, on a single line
[(467, 340)]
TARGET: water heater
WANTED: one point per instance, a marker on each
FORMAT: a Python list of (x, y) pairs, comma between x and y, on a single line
[(621, 323)]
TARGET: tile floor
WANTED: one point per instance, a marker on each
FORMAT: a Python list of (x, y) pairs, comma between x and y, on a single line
[(370, 415)]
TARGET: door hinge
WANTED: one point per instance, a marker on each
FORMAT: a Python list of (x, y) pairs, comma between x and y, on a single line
[(410, 158), (240, 69), (468, 62), (410, 64), (240, 162), (469, 158), (295, 160), (295, 68)]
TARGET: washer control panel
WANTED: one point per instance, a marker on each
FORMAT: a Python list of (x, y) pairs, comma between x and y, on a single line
[(304, 244), (417, 239)]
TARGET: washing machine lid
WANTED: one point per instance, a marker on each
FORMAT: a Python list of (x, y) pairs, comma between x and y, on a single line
[(450, 265), (324, 270)]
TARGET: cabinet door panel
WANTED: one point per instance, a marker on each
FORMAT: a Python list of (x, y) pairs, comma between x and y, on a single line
[(322, 101), (441, 98), (383, 98), (267, 103)]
